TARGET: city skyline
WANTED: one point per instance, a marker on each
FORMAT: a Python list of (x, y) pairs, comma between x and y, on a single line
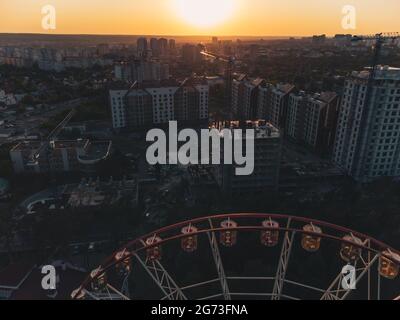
[(175, 17)]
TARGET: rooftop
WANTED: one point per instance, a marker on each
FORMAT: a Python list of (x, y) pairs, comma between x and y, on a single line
[(381, 73), (326, 96), (263, 129), (96, 151)]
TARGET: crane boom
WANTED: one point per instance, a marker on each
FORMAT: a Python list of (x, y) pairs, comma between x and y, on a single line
[(230, 64), (216, 56), (53, 134)]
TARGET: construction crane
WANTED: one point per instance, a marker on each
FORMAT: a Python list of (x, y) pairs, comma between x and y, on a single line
[(46, 148), (379, 39), (230, 65), (34, 157)]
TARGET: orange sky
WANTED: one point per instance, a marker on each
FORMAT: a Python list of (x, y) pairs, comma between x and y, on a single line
[(250, 17)]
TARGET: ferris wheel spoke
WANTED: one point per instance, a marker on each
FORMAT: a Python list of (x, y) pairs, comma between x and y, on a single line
[(218, 263), (119, 293), (283, 263), (92, 295), (125, 286), (162, 278)]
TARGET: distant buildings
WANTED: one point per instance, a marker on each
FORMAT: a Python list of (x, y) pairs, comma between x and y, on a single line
[(163, 48), (368, 134), (319, 39), (311, 119), (59, 156), (55, 59), (150, 103), (154, 47), (267, 160), (142, 47), (191, 54), (141, 70), (342, 39), (9, 99), (172, 45)]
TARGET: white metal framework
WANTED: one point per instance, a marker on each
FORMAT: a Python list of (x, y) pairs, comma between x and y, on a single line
[(376, 265)]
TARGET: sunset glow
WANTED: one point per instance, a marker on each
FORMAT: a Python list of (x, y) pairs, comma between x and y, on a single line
[(200, 17), (205, 13)]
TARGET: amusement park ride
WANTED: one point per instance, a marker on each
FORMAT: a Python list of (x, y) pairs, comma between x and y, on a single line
[(376, 264)]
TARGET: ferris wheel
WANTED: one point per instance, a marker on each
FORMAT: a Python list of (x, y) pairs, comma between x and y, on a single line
[(211, 258)]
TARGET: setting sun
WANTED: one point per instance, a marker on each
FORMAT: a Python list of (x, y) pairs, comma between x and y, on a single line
[(205, 13)]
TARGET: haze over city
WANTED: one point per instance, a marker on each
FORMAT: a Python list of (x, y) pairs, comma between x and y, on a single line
[(155, 150), (190, 17)]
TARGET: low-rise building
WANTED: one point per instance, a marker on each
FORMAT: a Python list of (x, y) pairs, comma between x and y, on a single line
[(59, 156)]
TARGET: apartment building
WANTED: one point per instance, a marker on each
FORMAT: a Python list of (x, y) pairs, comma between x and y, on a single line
[(152, 103), (245, 96), (311, 119), (367, 142)]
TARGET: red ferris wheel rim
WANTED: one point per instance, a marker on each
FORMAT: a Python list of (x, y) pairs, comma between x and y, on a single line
[(111, 261)]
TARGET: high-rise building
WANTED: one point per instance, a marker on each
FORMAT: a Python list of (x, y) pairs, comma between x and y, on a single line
[(154, 47), (157, 102), (163, 47), (367, 141), (267, 158), (257, 99), (272, 103), (295, 122), (191, 100), (142, 47), (311, 119), (172, 46), (245, 95)]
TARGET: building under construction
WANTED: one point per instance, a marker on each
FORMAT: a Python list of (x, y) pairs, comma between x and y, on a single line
[(59, 156)]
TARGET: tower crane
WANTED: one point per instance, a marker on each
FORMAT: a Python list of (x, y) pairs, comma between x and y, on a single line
[(230, 65), (379, 39), (34, 157), (45, 147)]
